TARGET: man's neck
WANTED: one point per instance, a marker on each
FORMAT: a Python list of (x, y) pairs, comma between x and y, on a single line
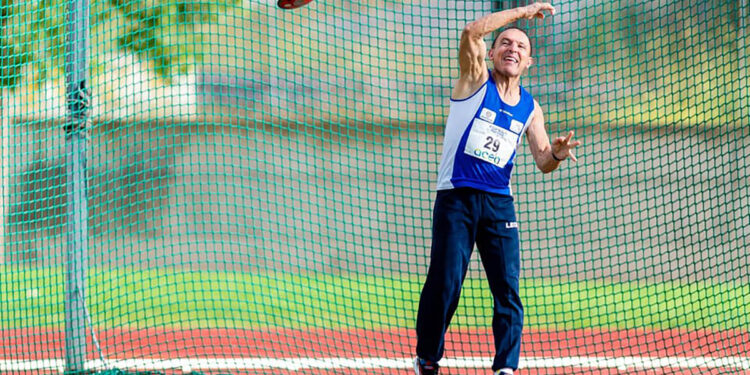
[(507, 87)]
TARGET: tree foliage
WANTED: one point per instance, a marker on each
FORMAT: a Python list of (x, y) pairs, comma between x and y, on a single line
[(11, 60), (166, 34)]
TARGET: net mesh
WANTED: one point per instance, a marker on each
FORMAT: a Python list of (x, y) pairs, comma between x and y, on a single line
[(260, 185)]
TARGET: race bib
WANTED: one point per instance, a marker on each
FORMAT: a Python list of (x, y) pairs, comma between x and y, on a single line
[(491, 143)]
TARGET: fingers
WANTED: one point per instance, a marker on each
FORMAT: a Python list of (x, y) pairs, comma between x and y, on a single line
[(537, 10), (572, 145), (568, 137), (548, 7), (541, 7), (566, 144), (566, 141)]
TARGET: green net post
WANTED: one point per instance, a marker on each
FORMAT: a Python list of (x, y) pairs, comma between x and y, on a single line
[(76, 67), (4, 129), (742, 47)]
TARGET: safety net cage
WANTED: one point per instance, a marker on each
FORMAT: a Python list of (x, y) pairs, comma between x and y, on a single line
[(232, 187)]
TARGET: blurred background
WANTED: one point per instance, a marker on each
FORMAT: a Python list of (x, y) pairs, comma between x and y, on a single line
[(214, 121)]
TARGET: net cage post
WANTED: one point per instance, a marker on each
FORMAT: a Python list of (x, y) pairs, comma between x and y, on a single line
[(4, 136), (78, 101), (742, 47)]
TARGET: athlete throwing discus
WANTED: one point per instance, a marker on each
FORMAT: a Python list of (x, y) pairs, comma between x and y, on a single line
[(489, 114)]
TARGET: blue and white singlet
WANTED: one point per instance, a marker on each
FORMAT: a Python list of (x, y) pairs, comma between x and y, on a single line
[(482, 134)]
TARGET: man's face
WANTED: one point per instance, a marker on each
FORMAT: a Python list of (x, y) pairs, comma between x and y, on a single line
[(511, 54)]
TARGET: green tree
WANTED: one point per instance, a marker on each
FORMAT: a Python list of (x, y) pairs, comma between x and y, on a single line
[(165, 33)]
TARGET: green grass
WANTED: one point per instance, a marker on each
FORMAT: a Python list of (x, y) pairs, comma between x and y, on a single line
[(140, 298)]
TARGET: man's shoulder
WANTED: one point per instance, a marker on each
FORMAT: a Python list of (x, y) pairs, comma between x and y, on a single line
[(465, 89), (530, 98), (537, 106)]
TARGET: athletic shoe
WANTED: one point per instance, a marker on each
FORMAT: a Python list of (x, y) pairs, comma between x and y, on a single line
[(422, 367), (500, 372)]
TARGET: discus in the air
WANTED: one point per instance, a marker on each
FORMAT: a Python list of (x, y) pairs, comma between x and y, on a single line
[(292, 4)]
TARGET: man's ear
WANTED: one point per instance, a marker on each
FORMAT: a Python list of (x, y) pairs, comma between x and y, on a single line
[(531, 62)]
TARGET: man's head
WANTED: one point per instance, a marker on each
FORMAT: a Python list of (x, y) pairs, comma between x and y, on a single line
[(511, 52)]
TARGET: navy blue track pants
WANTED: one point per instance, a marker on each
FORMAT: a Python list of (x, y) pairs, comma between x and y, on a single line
[(461, 218)]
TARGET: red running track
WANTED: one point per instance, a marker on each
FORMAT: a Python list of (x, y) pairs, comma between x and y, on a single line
[(41, 344)]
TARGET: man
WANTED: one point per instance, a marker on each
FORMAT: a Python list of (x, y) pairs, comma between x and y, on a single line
[(489, 113)]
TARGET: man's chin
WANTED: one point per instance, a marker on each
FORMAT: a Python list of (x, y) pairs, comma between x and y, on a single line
[(508, 71)]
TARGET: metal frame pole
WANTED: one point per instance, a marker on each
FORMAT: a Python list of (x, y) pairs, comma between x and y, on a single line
[(78, 101), (742, 46), (4, 134)]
